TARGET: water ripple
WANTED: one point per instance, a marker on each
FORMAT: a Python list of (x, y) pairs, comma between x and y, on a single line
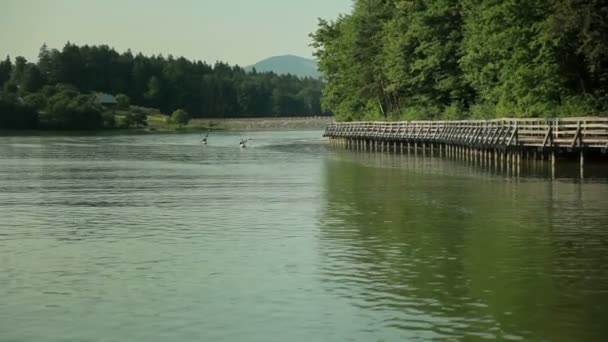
[(157, 238)]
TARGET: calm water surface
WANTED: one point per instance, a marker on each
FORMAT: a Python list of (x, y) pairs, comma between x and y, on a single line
[(157, 238)]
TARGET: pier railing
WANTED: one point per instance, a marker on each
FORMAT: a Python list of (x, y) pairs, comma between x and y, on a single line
[(507, 134)]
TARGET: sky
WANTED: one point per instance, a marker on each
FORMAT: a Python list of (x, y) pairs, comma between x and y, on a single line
[(235, 31)]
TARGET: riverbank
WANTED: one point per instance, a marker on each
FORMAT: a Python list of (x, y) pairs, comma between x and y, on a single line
[(257, 124), (157, 125)]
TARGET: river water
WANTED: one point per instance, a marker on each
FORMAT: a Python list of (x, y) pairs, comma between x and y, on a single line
[(158, 238)]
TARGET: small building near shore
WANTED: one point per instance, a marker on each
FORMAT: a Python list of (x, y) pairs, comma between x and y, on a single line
[(106, 100)]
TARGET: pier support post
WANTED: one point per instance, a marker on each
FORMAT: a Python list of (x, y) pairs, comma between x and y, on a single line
[(518, 159), (582, 162), (553, 164), (518, 163)]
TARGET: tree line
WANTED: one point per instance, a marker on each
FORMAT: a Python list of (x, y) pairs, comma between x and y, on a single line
[(56, 91), (454, 59)]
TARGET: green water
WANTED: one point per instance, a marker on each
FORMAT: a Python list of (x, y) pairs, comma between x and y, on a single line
[(157, 238)]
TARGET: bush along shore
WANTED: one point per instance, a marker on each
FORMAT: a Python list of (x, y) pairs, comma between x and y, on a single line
[(61, 108)]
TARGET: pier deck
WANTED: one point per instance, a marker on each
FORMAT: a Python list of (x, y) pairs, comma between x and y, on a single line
[(504, 139)]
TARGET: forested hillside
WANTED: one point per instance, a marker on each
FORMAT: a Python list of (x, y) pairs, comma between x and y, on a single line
[(432, 59), (59, 86)]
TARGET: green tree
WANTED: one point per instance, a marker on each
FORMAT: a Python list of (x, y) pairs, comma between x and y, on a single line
[(14, 114), (109, 120), (507, 58), (37, 101), (6, 68), (180, 117), (123, 101), (579, 30), (32, 79), (135, 118), (154, 91), (45, 63), (67, 109), (349, 53), (422, 49), (18, 70)]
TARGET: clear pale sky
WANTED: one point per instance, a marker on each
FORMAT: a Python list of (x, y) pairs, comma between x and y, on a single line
[(235, 31)]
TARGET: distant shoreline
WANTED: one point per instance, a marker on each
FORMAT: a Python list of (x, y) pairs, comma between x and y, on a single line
[(277, 123), (196, 126)]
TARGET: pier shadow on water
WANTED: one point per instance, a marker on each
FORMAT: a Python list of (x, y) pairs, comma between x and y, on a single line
[(442, 249)]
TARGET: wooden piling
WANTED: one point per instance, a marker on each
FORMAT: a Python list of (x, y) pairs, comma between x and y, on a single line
[(486, 143), (553, 164), (582, 164)]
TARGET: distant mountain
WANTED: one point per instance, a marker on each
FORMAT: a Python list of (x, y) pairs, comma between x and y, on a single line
[(288, 64)]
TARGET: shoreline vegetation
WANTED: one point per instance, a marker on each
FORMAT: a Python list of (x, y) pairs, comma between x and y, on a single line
[(465, 59), (93, 88), (157, 125)]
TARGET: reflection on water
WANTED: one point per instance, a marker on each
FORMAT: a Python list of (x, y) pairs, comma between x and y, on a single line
[(157, 237), (438, 249)]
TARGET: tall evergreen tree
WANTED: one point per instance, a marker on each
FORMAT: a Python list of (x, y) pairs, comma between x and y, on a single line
[(18, 70), (6, 69), (32, 79)]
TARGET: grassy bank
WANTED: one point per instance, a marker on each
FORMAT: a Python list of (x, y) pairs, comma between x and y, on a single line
[(157, 123), (285, 123)]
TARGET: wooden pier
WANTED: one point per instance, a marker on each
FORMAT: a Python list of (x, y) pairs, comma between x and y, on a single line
[(492, 141)]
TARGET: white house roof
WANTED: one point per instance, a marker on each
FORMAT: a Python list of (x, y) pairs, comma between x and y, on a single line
[(105, 99)]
